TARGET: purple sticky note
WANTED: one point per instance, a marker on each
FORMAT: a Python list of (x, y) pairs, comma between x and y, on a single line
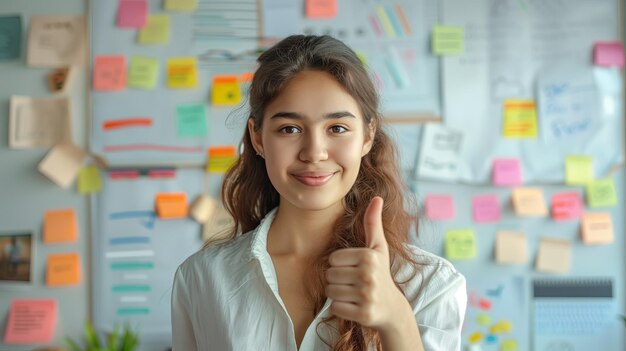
[(132, 13), (486, 208), (567, 205), (507, 172), (608, 53), (439, 207)]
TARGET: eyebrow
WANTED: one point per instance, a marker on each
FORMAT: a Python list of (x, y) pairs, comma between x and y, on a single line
[(295, 115)]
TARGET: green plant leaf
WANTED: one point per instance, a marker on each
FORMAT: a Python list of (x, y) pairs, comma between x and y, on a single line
[(92, 339), (113, 337), (72, 344)]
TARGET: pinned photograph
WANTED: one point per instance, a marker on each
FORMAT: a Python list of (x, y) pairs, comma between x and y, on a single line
[(16, 254)]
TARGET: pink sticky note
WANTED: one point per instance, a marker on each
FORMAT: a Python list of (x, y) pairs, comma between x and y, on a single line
[(507, 172), (321, 8), (31, 321), (439, 207), (132, 13), (109, 73), (486, 208), (608, 53), (568, 205)]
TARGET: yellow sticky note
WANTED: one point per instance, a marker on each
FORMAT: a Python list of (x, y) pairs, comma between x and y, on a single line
[(554, 255), (508, 345), (221, 158), (483, 319), (578, 170), (601, 193), (63, 269), (447, 40), (501, 327), (529, 201), (143, 72), (520, 119), (225, 90), (156, 30), (596, 228), (181, 5), (89, 180), (460, 244), (511, 247), (182, 72), (475, 337), (171, 205), (60, 226)]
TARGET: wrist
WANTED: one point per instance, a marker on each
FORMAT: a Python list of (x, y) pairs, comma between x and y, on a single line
[(401, 319)]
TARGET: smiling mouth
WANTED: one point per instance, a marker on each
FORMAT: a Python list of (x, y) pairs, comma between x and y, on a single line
[(313, 180)]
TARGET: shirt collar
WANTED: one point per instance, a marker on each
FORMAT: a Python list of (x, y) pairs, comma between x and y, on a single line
[(258, 247)]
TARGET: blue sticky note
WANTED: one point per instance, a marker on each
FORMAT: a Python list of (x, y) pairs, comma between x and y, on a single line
[(191, 120), (10, 37)]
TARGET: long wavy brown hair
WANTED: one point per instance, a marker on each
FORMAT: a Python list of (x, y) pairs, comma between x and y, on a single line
[(248, 194)]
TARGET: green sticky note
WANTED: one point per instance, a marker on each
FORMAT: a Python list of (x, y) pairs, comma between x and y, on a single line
[(483, 319), (156, 30), (191, 120), (601, 193), (578, 170), (447, 40), (181, 5), (143, 72), (460, 244), (508, 345), (10, 37), (89, 180)]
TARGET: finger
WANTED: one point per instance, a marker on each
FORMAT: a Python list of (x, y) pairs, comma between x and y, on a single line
[(373, 222), (343, 293), (345, 310), (342, 275), (347, 257)]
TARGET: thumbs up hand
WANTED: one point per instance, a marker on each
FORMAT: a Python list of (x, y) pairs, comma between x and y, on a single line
[(359, 280)]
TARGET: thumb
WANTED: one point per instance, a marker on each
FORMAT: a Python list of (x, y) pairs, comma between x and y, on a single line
[(373, 222)]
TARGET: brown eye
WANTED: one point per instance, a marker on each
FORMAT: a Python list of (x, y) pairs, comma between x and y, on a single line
[(289, 130), (338, 129)]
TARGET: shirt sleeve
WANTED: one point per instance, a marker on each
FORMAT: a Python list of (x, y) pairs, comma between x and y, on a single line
[(183, 338), (442, 310)]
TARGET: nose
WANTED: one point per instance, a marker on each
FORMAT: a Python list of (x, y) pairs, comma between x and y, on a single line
[(313, 148)]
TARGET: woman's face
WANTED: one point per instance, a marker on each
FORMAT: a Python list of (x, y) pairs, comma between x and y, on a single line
[(313, 137)]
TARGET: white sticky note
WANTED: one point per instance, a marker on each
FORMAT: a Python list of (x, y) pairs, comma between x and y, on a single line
[(440, 150), (62, 164)]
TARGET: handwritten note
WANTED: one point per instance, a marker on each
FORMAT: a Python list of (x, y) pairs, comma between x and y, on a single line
[(528, 202), (439, 207), (609, 54), (171, 205), (439, 152), (191, 120), (221, 158), (596, 228), (31, 321), (578, 170), (143, 72), (566, 205), (601, 193), (225, 91), (89, 180), (569, 104), (60, 226), (10, 37), (63, 269), (109, 73), (132, 13), (486, 208), (202, 208), (520, 119), (156, 30), (506, 172), (447, 40), (62, 164), (316, 9), (181, 5), (56, 41), (554, 255), (182, 72), (39, 122), (511, 247), (460, 244)]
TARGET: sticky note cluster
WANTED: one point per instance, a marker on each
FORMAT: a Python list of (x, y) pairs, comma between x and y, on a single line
[(221, 158)]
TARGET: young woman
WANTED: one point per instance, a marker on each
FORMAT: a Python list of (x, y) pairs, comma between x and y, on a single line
[(319, 256)]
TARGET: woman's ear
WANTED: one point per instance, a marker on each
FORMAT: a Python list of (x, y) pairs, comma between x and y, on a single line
[(369, 138), (255, 137)]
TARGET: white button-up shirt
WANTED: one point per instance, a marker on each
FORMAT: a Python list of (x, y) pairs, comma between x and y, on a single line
[(226, 298)]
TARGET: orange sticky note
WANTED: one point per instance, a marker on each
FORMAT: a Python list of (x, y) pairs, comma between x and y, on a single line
[(109, 73), (511, 247), (60, 226), (171, 205), (225, 90), (529, 202), (221, 158), (596, 228), (63, 269), (321, 8), (31, 321), (554, 255)]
